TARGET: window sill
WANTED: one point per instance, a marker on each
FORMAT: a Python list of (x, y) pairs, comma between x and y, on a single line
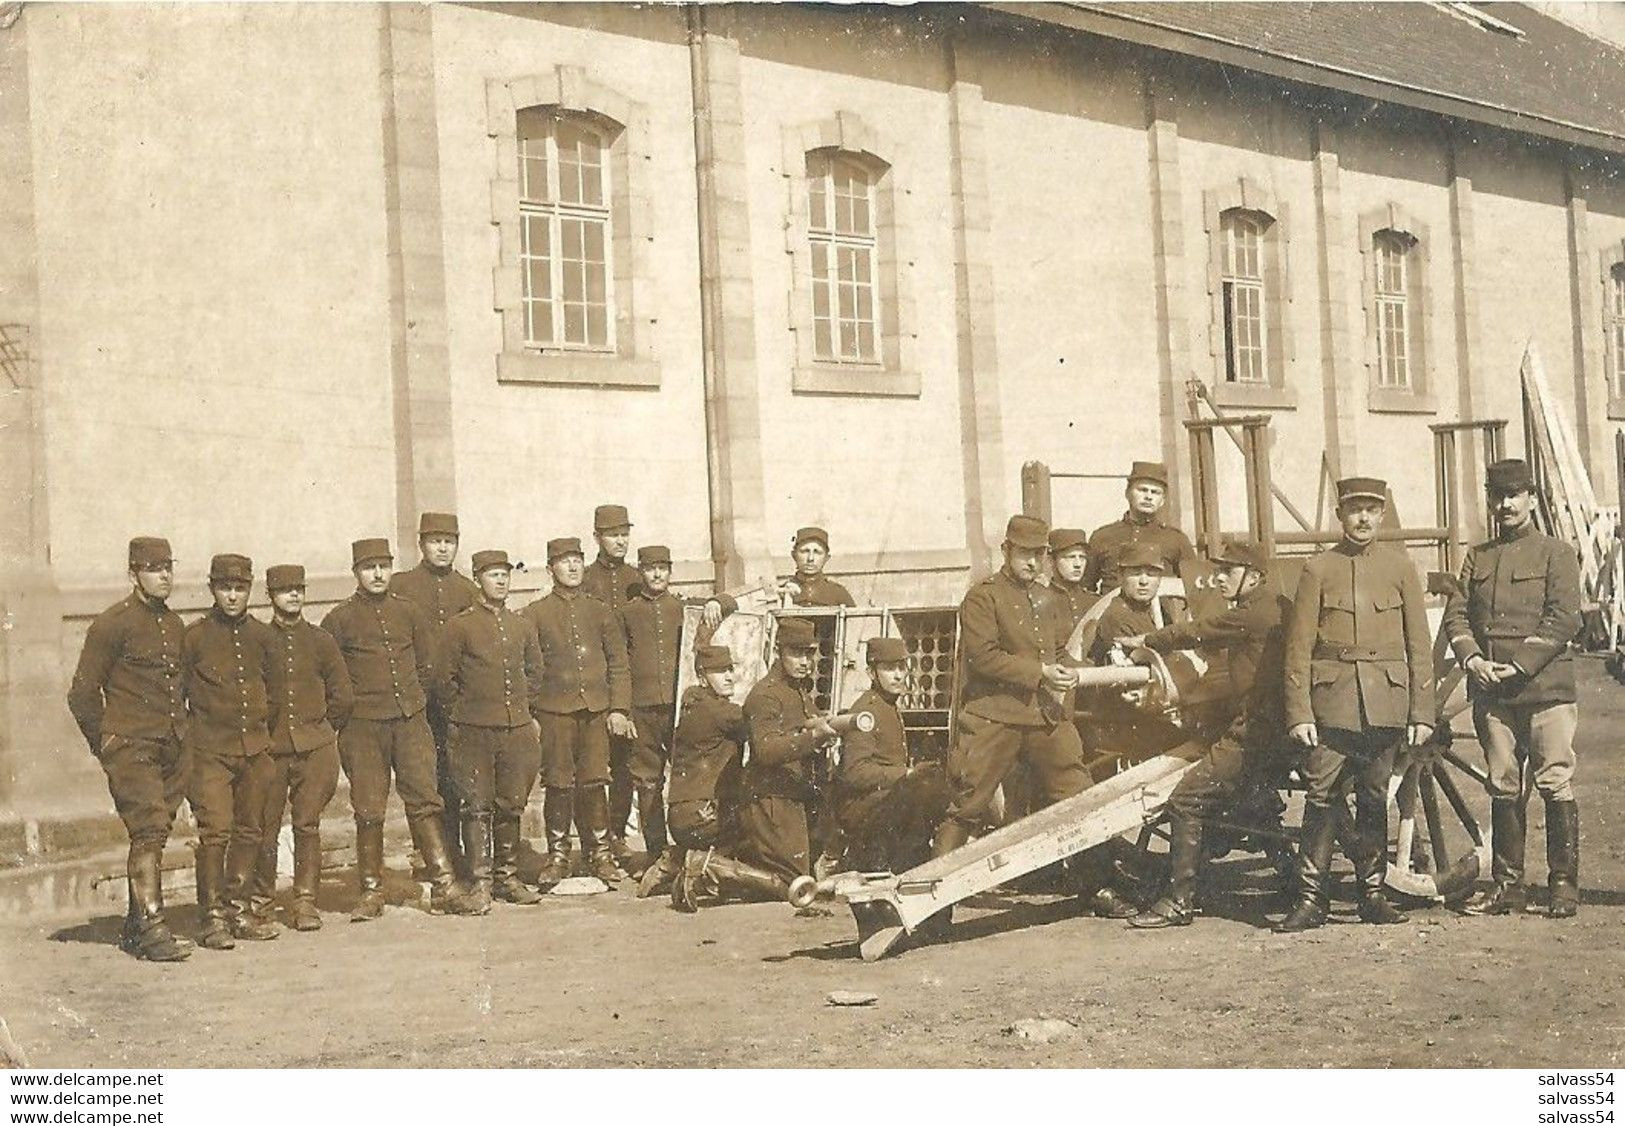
[(1265, 395), (577, 369), (871, 382), (1400, 402), (1616, 408)]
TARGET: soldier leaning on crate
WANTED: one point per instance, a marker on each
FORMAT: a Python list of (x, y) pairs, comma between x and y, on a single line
[(1249, 629), (809, 586), (1359, 684), (888, 806), (226, 663), (652, 623), (389, 647), (614, 581), (583, 698), (1510, 624), (126, 698), (442, 593), (491, 660), (311, 701), (1147, 494)]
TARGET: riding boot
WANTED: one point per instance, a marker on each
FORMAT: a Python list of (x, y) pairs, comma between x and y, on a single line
[(211, 876), (147, 936), (1315, 842), (1563, 858), (477, 856), (1508, 829), (592, 822), (506, 884), (262, 896), (307, 875), (445, 897), (1185, 853), (1371, 861), (242, 865), (617, 813), (746, 881), (658, 877), (556, 820), (652, 819), (369, 867)]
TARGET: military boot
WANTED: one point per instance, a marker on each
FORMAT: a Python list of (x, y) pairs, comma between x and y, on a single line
[(242, 865), (1563, 858), (592, 821), (211, 878), (617, 813), (307, 875), (445, 896), (506, 884), (1315, 842), (262, 893), (744, 881), (1371, 862), (1185, 853), (1508, 829), (556, 804), (652, 822), (690, 884), (658, 876), (477, 856), (369, 866), (146, 935)]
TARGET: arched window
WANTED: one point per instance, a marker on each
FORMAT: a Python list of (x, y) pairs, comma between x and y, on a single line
[(565, 236), (843, 245), (1244, 295), (1392, 285)]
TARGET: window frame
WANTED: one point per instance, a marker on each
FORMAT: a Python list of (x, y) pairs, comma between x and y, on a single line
[(1276, 346), (864, 246), (1612, 277), (556, 211), (1390, 226)]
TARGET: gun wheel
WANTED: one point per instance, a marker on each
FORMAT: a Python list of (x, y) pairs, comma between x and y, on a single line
[(1439, 849)]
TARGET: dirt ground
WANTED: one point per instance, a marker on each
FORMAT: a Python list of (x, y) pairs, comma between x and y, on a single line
[(614, 981)]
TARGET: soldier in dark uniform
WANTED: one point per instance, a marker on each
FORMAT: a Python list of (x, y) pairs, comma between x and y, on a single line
[(127, 699), (614, 581), (389, 647), (491, 661), (1359, 683), (705, 794), (808, 586), (226, 663), (888, 806), (1069, 563), (582, 699), (1510, 625), (1147, 494), (311, 701), (1140, 568), (785, 732), (442, 593), (1249, 629), (652, 622)]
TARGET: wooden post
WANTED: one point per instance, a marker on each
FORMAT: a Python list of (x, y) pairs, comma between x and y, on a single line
[(1035, 490)]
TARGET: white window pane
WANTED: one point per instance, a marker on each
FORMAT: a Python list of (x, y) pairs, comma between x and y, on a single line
[(821, 339), (571, 231), (866, 309), (597, 283), (847, 296), (861, 220), (597, 326), (849, 340), (817, 204), (820, 259), (575, 324), (575, 281), (538, 280), (820, 290), (594, 241), (866, 341), (846, 262)]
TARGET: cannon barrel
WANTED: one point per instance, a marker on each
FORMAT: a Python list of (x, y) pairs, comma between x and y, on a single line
[(857, 721), (805, 891), (1115, 676)]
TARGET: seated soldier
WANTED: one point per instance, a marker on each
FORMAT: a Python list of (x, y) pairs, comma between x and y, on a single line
[(702, 802), (1140, 571), (1252, 749), (887, 806)]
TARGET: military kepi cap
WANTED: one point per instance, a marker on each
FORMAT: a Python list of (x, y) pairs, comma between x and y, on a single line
[(1065, 539), (485, 560), (713, 658), (231, 568), (284, 576), (1026, 531), (1141, 554), (1362, 488), (608, 517), (1232, 551), (1510, 476), (654, 553), (886, 649), (365, 551), (564, 545), (811, 534), (1149, 471), (796, 633), (150, 551), (437, 524)]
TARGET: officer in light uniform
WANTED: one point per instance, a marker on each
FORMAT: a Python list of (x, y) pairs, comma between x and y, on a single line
[(1510, 624), (1359, 684)]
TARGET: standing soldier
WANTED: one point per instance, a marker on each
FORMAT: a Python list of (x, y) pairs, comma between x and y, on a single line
[(582, 698), (1069, 562), (226, 663), (442, 593), (492, 660), (388, 647), (613, 581), (809, 586), (311, 701), (1359, 682), (126, 698), (1510, 624), (1147, 494)]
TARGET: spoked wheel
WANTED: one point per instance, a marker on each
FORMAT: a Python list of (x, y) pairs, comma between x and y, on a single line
[(1439, 851)]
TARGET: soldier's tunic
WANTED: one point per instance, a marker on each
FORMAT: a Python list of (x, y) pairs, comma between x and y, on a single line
[(653, 627), (226, 666), (612, 582), (388, 647), (584, 676), (778, 775), (1007, 632), (128, 701), (816, 590), (1120, 619), (887, 806), (1519, 604), (492, 660), (1108, 541), (705, 770), (1072, 602)]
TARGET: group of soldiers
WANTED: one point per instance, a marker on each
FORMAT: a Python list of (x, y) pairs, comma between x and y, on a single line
[(427, 680)]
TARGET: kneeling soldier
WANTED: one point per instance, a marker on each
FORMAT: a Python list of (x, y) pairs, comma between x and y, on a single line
[(491, 661), (888, 806), (126, 699), (1249, 630), (311, 701), (388, 646), (1510, 625), (226, 662)]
